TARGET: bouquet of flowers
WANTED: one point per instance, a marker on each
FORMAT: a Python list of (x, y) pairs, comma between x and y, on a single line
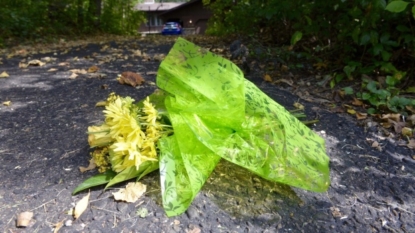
[(205, 110)]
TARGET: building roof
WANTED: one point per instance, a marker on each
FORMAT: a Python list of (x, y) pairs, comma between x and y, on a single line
[(164, 6), (180, 6)]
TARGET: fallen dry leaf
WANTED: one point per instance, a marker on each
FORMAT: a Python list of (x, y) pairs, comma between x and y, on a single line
[(335, 212), (357, 102), (79, 71), (23, 219), (267, 78), (397, 126), (376, 145), (7, 103), (97, 75), (131, 192), (412, 119), (159, 57), (52, 69), (194, 230), (36, 63), (4, 74), (91, 166), (151, 73), (283, 80), (392, 116), (23, 65), (73, 76), (411, 144), (361, 116), (130, 78), (81, 206), (63, 64), (284, 68), (410, 108), (58, 226), (93, 69)]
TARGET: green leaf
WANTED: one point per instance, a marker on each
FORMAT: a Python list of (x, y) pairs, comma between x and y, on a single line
[(413, 11), (386, 55), (296, 37), (96, 180), (391, 81), (142, 212), (410, 90), (348, 70), (377, 49), (364, 39), (332, 83), (130, 173), (403, 28), (348, 90), (371, 111), (366, 96), (396, 6), (372, 86)]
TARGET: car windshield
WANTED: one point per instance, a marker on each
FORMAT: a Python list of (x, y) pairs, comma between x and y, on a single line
[(171, 25)]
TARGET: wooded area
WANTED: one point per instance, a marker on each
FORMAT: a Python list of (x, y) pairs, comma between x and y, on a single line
[(367, 40)]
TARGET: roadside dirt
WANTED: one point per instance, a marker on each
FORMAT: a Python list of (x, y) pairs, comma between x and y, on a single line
[(43, 142)]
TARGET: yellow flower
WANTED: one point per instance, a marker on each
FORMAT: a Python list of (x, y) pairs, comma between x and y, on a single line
[(120, 119), (126, 153), (131, 142), (99, 135), (100, 156), (151, 114)]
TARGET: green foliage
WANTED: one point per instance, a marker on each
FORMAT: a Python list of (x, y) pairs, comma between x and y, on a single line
[(30, 19), (384, 97), (371, 37)]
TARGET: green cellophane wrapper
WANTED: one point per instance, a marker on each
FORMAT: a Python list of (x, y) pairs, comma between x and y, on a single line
[(216, 113)]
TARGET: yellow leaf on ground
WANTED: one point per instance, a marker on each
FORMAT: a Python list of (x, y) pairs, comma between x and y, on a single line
[(4, 74), (101, 104), (23, 219), (407, 132), (131, 193), (267, 78), (297, 105), (81, 206), (7, 103), (91, 166), (351, 111)]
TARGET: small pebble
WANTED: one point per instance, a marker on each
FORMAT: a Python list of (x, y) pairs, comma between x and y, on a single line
[(68, 223)]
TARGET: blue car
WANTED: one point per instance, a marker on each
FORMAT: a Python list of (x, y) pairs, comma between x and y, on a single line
[(172, 28)]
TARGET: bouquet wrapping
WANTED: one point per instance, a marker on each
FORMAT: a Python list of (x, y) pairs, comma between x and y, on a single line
[(216, 113), (211, 112)]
